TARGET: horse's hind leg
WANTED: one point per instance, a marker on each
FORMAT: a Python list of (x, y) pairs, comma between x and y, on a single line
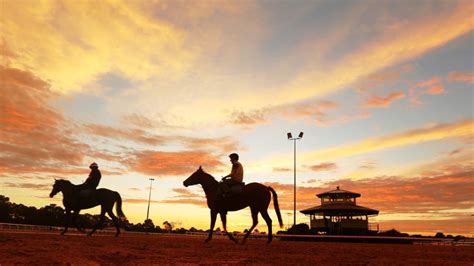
[(255, 222), (99, 223), (224, 225), (115, 220), (268, 220)]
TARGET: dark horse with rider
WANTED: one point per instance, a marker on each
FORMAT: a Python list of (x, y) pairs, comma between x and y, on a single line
[(223, 198), (85, 196)]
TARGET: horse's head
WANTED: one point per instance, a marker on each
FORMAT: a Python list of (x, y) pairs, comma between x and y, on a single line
[(195, 178), (58, 186)]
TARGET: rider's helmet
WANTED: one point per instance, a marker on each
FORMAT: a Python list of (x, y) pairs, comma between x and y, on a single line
[(94, 166), (234, 156)]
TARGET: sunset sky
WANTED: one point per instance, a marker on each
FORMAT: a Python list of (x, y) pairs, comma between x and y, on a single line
[(383, 91)]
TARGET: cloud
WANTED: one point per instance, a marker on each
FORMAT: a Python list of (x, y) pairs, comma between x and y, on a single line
[(140, 201), (251, 118), (33, 135), (313, 109), (400, 42), (136, 135), (413, 195), (389, 74), (42, 187), (185, 196), (375, 101), (161, 163), (75, 32), (458, 129), (461, 76), (144, 122), (435, 90), (281, 169), (323, 167), (431, 86)]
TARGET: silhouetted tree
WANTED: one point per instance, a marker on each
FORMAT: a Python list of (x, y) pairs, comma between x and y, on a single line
[(168, 226), (5, 209)]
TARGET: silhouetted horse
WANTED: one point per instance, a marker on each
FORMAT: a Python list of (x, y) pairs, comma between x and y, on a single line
[(254, 195), (104, 197)]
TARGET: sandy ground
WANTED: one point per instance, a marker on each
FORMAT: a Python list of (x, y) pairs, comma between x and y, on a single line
[(48, 248)]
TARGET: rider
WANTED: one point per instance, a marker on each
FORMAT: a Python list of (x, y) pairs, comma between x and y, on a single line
[(91, 183), (236, 175)]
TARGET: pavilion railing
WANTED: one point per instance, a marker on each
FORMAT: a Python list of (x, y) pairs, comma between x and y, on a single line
[(373, 227)]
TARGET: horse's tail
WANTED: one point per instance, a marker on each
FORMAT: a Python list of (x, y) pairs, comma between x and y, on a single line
[(118, 207), (277, 208)]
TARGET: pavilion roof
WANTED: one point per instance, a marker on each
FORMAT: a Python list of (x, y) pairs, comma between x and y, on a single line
[(340, 209), (338, 192)]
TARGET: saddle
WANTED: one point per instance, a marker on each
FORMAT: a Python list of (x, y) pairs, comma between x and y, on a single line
[(234, 190)]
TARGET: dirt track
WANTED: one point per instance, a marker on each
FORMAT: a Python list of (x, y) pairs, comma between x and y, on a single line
[(32, 248)]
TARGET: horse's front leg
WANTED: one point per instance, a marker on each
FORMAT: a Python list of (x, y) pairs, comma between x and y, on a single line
[(224, 225), (74, 221), (213, 223), (66, 224)]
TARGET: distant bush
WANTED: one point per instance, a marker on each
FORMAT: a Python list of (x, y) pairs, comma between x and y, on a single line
[(392, 232), (299, 229)]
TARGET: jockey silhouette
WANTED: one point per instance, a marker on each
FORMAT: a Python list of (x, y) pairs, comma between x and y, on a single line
[(91, 183), (235, 177)]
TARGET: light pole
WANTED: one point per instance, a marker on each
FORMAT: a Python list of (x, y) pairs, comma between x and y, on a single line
[(149, 198), (290, 137)]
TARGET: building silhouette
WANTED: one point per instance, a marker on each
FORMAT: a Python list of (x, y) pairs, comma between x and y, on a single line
[(339, 214)]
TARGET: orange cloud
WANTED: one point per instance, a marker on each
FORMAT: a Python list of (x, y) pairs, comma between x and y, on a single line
[(136, 135), (281, 169), (139, 201), (159, 163), (307, 109), (223, 144), (252, 118), (323, 167), (435, 90), (33, 135), (42, 187), (377, 101), (459, 129), (144, 122), (461, 76), (431, 86)]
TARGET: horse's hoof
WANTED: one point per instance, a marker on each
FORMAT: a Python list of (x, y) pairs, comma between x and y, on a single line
[(63, 232), (207, 240)]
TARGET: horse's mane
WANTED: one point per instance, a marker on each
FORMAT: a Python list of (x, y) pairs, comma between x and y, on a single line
[(64, 181), (206, 173)]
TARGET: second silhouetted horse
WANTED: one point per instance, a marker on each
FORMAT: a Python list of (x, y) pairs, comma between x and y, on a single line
[(254, 195)]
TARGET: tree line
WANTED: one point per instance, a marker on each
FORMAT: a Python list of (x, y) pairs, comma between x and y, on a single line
[(54, 215)]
